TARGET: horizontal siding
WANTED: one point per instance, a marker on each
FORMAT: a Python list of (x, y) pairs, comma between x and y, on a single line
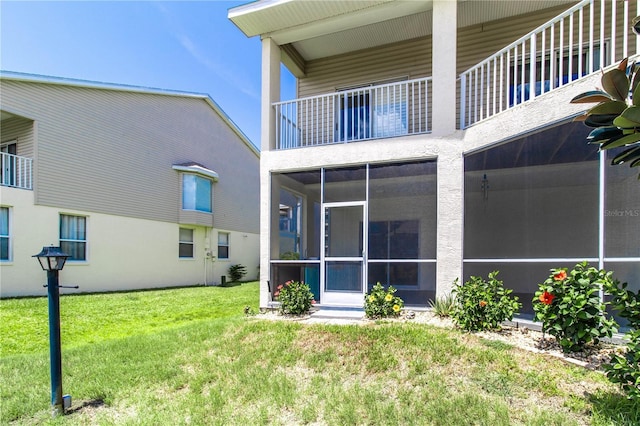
[(114, 151), (20, 130), (412, 58), (478, 42)]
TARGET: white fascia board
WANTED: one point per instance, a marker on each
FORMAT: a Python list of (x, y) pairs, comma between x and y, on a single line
[(197, 170)]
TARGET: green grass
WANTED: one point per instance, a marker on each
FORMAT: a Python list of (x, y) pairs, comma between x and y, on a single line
[(190, 356)]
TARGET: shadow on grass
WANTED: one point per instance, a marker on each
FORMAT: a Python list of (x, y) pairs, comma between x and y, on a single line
[(93, 403), (616, 408), (230, 284)]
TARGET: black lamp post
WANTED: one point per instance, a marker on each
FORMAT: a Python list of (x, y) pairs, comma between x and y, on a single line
[(52, 260)]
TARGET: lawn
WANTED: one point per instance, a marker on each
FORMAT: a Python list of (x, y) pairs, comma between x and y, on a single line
[(191, 356)]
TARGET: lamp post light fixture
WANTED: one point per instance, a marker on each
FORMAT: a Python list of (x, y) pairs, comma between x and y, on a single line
[(52, 260)]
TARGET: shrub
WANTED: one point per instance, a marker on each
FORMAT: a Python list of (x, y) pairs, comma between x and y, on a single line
[(483, 305), (381, 303), (625, 370), (236, 272), (569, 306), (295, 298), (443, 306), (290, 255)]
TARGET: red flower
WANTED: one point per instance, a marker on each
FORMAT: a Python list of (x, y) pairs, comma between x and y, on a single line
[(280, 287), (560, 275), (482, 303), (547, 297), (276, 293), (313, 302)]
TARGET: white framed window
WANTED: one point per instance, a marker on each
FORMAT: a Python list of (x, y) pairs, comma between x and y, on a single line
[(196, 193), (185, 244), (5, 235), (73, 236), (223, 245)]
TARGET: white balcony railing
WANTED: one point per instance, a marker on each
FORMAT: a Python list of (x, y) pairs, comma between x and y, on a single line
[(372, 112), (581, 41), (16, 171)]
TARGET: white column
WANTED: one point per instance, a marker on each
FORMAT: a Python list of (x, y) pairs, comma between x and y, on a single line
[(444, 67), (450, 215), (270, 94)]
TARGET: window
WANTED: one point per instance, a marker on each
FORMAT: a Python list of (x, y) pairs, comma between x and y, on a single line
[(5, 237), (377, 110), (8, 168), (196, 193), (73, 236), (185, 249), (223, 245)]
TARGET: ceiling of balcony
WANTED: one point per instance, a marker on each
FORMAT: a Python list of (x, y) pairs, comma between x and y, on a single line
[(318, 29), (4, 115)]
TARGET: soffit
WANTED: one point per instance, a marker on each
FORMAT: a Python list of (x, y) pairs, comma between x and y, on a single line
[(4, 115), (318, 29)]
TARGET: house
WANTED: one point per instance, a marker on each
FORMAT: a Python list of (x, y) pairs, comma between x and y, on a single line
[(431, 141), (144, 188)]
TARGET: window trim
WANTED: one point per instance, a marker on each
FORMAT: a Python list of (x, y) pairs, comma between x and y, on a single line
[(228, 245), (8, 236), (192, 243), (195, 201), (85, 240)]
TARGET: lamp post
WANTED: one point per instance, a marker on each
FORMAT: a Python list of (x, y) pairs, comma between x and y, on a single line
[(52, 260)]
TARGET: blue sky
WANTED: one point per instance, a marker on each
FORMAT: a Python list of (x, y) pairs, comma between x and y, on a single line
[(176, 45)]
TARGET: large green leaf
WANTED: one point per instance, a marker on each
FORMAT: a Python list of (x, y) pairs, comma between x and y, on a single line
[(600, 120), (603, 134), (616, 83), (627, 155), (610, 107), (636, 90), (626, 140), (591, 97), (631, 116)]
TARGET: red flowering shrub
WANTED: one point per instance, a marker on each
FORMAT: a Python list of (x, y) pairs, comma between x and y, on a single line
[(295, 298), (569, 306)]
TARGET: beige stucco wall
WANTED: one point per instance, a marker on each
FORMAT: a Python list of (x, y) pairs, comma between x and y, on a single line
[(123, 253)]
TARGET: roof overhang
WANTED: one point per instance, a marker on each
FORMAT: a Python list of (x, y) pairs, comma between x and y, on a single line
[(196, 168), (318, 29)]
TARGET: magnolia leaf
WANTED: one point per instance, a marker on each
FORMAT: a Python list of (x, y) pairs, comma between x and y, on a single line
[(591, 97), (636, 79), (622, 66), (625, 140), (616, 83), (636, 90), (632, 114), (610, 107), (628, 155), (599, 120), (602, 134), (624, 123)]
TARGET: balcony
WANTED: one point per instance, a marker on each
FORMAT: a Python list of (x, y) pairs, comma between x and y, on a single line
[(372, 112), (590, 36), (16, 171)]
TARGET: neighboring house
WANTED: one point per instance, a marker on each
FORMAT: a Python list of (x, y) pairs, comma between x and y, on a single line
[(415, 155), (144, 188)]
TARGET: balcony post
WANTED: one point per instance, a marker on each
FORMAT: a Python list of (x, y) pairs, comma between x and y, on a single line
[(270, 92), (444, 67)]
